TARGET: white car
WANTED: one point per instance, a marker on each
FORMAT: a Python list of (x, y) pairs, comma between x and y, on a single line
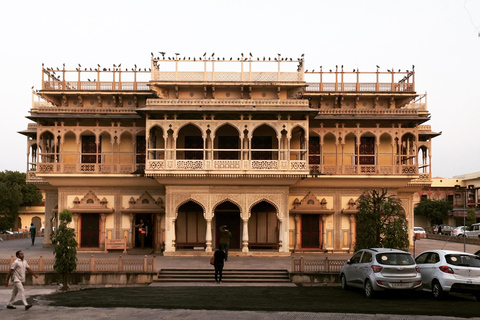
[(379, 269), (473, 231), (420, 231), (445, 271), (459, 231)]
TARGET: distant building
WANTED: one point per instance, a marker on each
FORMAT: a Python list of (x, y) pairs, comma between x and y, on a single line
[(277, 153), (31, 214), (461, 191)]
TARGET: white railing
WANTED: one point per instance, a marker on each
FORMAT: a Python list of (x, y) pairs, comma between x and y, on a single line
[(227, 165), (227, 76), (91, 264), (317, 265)]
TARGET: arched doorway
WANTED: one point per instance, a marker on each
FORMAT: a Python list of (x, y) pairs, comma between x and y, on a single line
[(263, 226), (190, 226), (228, 214), (37, 222)]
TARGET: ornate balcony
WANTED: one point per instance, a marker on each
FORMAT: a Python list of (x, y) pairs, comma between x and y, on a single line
[(240, 166)]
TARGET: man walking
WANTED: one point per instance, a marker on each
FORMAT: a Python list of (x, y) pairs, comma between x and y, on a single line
[(225, 240), (33, 233), (141, 233), (17, 272)]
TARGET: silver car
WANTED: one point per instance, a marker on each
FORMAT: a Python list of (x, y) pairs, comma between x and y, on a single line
[(380, 269), (445, 271)]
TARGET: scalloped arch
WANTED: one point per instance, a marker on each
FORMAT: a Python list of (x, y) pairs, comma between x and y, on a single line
[(214, 207), (253, 204), (188, 200)]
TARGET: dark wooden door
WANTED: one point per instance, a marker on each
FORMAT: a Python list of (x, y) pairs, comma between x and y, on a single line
[(90, 232), (89, 149), (314, 150), (367, 150), (193, 142), (228, 143), (140, 150), (262, 142), (310, 231)]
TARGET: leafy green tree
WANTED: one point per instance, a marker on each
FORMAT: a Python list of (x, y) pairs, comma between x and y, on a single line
[(66, 249), (433, 210), (471, 217), (15, 193), (381, 222)]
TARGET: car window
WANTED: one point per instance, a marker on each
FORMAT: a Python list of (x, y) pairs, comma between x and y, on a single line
[(433, 257), (356, 257), (395, 259), (422, 258), (367, 257), (463, 260)]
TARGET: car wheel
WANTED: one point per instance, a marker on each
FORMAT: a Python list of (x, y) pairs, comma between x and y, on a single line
[(369, 293), (343, 281), (437, 291)]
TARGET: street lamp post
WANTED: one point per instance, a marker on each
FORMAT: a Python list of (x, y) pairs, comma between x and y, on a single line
[(457, 188)]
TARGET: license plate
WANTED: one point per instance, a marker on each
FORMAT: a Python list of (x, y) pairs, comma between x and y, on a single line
[(469, 281), (400, 285)]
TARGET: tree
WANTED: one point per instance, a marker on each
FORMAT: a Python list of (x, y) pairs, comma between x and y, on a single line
[(381, 222), (66, 249), (471, 217), (15, 193), (433, 210)]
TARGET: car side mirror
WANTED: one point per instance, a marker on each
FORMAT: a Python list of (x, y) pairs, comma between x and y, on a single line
[(349, 261)]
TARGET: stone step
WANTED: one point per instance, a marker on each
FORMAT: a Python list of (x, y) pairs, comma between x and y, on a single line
[(229, 275)]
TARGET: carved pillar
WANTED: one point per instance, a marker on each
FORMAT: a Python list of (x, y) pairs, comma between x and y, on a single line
[(353, 232), (158, 232), (131, 241), (103, 218), (51, 200), (208, 236), (298, 235), (169, 234), (245, 236), (324, 220), (76, 219)]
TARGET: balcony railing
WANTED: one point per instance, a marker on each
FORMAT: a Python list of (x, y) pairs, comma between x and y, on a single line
[(318, 169), (295, 166), (91, 86), (86, 168)]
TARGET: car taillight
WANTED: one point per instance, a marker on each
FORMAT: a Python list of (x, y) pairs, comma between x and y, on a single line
[(417, 268), (376, 268), (446, 269)]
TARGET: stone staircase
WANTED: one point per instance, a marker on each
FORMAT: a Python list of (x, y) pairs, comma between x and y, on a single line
[(258, 276)]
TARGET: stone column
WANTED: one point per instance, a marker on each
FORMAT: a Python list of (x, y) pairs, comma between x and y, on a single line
[(324, 220), (169, 234), (158, 232), (208, 236), (353, 228), (245, 236), (103, 218), (76, 218), (131, 243), (51, 200), (298, 236)]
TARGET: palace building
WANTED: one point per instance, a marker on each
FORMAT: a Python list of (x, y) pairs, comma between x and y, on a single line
[(278, 153)]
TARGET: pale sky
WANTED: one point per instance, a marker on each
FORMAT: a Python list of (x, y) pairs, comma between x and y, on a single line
[(440, 37)]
